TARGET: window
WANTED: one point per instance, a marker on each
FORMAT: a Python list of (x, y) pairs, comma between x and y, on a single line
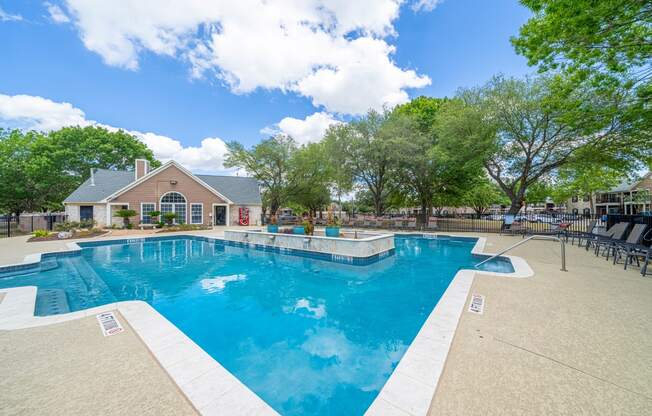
[(196, 214), (145, 209), (174, 202), (574, 198), (586, 198)]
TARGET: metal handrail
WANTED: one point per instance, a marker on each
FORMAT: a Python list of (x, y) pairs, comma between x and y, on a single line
[(534, 237)]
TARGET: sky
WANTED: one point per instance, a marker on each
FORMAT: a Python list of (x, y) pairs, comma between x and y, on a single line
[(185, 77)]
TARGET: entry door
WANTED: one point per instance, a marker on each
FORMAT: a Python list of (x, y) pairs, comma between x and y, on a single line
[(219, 215), (85, 212)]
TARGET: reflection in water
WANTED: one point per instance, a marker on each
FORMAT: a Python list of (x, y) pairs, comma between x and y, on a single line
[(218, 284)]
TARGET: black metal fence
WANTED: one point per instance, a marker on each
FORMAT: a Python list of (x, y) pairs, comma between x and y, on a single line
[(11, 225), (485, 223)]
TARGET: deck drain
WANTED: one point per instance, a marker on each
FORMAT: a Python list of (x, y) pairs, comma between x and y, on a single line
[(477, 304), (109, 324)]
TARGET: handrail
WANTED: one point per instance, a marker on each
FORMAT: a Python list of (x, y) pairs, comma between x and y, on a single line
[(534, 237)]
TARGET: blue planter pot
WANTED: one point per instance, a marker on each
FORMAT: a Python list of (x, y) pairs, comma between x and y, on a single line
[(332, 231), (299, 230), (272, 228)]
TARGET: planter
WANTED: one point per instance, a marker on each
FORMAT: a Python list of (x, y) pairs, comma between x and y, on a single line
[(298, 230), (332, 232), (272, 228)]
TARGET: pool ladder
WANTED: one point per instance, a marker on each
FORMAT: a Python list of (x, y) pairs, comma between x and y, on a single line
[(534, 237)]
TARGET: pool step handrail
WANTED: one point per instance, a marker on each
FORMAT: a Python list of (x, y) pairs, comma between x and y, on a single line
[(534, 237)]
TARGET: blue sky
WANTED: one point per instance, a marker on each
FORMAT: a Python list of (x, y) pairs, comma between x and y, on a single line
[(139, 75)]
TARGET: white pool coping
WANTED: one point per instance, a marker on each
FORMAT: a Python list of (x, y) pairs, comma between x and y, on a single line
[(214, 390)]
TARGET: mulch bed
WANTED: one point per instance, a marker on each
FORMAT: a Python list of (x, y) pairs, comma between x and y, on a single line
[(53, 236)]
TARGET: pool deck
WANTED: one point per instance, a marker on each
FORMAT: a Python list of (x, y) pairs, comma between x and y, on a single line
[(574, 342)]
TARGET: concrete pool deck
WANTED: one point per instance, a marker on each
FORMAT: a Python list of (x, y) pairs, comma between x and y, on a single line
[(556, 343)]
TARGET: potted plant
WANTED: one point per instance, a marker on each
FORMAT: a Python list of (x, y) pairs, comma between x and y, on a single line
[(272, 227), (153, 215), (309, 226), (169, 217), (300, 228), (125, 214), (333, 226)]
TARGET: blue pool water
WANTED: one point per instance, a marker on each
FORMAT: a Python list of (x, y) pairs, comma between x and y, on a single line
[(310, 337)]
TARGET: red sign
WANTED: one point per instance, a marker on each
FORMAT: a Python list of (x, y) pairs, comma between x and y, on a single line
[(244, 216)]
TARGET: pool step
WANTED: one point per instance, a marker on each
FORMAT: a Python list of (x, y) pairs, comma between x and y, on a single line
[(51, 302)]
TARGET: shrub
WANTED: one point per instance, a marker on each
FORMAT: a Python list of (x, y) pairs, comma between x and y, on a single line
[(169, 217), (67, 226), (41, 233), (87, 223), (154, 215), (125, 214)]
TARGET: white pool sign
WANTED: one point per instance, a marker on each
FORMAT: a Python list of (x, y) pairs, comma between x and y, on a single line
[(109, 324), (477, 304)]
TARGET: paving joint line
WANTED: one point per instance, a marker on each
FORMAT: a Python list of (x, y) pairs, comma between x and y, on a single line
[(574, 368)]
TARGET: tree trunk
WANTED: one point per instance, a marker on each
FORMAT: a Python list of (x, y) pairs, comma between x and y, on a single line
[(515, 207), (424, 214), (378, 205)]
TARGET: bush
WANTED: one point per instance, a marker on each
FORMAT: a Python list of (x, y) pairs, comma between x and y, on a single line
[(87, 223), (41, 233), (67, 226), (169, 217), (125, 214)]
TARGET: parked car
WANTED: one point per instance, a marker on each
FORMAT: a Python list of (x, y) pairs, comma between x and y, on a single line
[(287, 219)]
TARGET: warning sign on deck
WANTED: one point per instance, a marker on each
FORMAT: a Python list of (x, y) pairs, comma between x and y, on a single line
[(477, 304), (109, 324)]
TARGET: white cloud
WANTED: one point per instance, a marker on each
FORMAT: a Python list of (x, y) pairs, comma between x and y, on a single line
[(57, 15), (307, 130), (38, 113), (291, 45), (425, 5), (8, 17)]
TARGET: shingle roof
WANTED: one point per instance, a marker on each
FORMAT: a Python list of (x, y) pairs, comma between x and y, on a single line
[(628, 185), (240, 190), (106, 183)]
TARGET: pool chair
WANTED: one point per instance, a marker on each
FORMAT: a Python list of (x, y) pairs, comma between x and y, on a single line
[(432, 224), (379, 223), (399, 224), (511, 226), (411, 224), (607, 243), (581, 234), (632, 249), (591, 237), (366, 223)]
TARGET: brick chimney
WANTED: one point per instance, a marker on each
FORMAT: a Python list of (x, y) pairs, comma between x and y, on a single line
[(141, 168)]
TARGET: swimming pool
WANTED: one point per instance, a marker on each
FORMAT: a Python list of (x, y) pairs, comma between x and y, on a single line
[(308, 336)]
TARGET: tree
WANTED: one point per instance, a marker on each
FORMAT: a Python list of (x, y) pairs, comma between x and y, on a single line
[(309, 178), (334, 146), (606, 39), (75, 150), (526, 129), (432, 169), (603, 46), (26, 183), (585, 179), (269, 162), (368, 156), (482, 195)]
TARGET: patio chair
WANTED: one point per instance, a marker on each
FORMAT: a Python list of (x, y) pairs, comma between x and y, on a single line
[(511, 226), (432, 224), (592, 237), (581, 234), (633, 247), (608, 242), (558, 230), (366, 223), (399, 224), (411, 224)]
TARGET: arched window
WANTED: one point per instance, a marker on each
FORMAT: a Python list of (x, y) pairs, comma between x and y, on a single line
[(174, 202), (173, 197)]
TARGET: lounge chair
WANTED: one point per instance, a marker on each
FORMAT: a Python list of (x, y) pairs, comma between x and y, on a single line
[(432, 224), (511, 226), (632, 248), (581, 234), (608, 243), (592, 237)]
